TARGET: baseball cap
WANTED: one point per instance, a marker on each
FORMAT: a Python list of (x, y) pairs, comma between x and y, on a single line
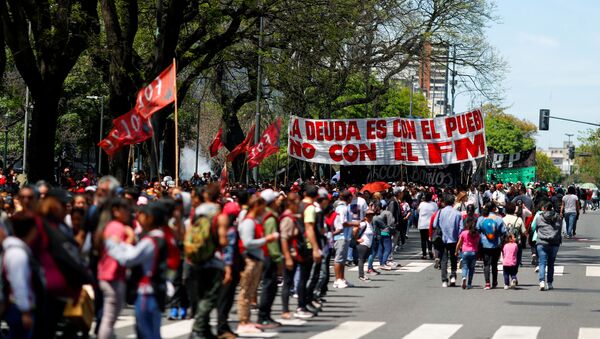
[(269, 195), (352, 190)]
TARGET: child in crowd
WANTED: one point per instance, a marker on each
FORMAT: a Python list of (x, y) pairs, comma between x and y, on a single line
[(509, 262), (468, 242)]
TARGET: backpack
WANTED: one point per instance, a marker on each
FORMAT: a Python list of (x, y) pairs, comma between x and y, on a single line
[(200, 240), (513, 229), (488, 227), (297, 244)]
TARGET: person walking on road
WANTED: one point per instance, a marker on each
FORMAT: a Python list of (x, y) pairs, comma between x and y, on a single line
[(449, 222), (426, 210), (570, 211), (548, 225), (364, 241), (492, 230), (468, 244)]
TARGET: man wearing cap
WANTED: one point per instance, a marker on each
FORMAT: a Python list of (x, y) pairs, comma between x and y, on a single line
[(270, 263)]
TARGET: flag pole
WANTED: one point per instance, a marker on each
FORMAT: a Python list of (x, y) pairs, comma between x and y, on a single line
[(176, 125)]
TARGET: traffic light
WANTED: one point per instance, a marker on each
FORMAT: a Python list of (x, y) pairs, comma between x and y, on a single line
[(544, 119), (571, 152)]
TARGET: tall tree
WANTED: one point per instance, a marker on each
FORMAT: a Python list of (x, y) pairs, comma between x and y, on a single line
[(506, 133), (545, 169), (60, 32), (588, 165)]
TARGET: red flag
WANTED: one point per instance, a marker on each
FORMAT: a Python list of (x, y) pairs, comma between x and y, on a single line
[(111, 144), (267, 145), (158, 94), (224, 178), (133, 128), (216, 144), (243, 147)]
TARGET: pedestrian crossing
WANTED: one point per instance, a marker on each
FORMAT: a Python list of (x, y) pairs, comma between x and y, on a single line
[(350, 330), (448, 331), (413, 267)]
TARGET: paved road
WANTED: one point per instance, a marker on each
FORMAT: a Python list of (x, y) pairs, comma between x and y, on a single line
[(410, 303)]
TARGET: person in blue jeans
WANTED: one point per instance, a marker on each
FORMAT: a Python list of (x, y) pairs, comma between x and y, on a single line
[(151, 253), (570, 210), (548, 225), (468, 242)]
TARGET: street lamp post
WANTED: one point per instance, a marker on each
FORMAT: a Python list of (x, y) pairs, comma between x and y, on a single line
[(570, 162), (101, 98)]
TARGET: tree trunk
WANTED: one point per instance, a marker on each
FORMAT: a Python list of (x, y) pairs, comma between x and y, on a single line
[(43, 135)]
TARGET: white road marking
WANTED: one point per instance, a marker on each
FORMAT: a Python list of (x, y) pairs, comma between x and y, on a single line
[(414, 267), (177, 329), (595, 247), (124, 321), (350, 330), (589, 333), (517, 332), (291, 322), (592, 271), (438, 331)]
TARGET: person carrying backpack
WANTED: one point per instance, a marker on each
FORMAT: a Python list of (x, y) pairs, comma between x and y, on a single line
[(149, 258), (492, 230), (253, 247), (448, 223), (547, 226), (515, 225)]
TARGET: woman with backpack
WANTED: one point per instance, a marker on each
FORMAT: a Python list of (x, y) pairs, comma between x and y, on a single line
[(547, 226), (365, 240), (111, 275), (492, 230), (515, 225)]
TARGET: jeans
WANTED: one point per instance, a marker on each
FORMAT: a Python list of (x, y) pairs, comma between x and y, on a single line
[(288, 280), (225, 301), (147, 317), (468, 266), (571, 220), (385, 249), (321, 289), (269, 289), (425, 243), (12, 316), (114, 300), (203, 285), (313, 279), (491, 256), (448, 251), (509, 272), (363, 254), (547, 256), (373, 253)]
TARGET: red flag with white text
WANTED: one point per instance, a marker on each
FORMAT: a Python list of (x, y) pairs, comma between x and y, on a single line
[(111, 144), (243, 147), (157, 94), (266, 146), (133, 128), (216, 144)]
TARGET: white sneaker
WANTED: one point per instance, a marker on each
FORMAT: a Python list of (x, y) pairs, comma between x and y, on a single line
[(542, 286), (444, 284), (452, 281), (248, 329), (336, 283), (506, 287), (513, 283), (341, 284), (537, 269)]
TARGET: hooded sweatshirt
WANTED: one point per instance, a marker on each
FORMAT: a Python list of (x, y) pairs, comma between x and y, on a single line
[(548, 227)]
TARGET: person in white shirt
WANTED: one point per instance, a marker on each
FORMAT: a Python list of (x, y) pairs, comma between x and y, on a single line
[(426, 210), (499, 198), (364, 242)]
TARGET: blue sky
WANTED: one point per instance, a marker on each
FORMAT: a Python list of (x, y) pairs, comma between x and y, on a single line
[(553, 51)]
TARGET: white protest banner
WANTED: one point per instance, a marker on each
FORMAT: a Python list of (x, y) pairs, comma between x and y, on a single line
[(388, 141)]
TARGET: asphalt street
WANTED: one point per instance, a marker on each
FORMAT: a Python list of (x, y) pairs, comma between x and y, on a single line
[(410, 302)]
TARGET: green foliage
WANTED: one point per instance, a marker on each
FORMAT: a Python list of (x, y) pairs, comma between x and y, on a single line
[(545, 169), (589, 165), (507, 133)]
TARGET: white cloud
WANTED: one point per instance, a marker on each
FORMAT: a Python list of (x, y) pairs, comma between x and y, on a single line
[(539, 40)]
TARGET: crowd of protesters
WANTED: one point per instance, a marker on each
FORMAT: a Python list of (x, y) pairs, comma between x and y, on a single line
[(186, 251)]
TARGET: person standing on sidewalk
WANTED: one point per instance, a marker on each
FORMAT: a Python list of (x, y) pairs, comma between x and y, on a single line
[(449, 222)]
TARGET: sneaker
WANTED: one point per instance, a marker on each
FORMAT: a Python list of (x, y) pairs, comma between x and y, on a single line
[(423, 257), (310, 308), (317, 304), (365, 279), (248, 329), (487, 286), (550, 287), (340, 284), (295, 296), (392, 264), (173, 314), (516, 282), (542, 286), (303, 314), (182, 313), (464, 283), (513, 283), (453, 281), (437, 264), (469, 287), (445, 284), (534, 260), (373, 272), (494, 284), (506, 287), (385, 268), (537, 269), (268, 324)]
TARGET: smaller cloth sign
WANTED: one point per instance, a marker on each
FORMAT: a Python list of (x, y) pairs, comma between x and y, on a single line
[(524, 174), (497, 160)]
